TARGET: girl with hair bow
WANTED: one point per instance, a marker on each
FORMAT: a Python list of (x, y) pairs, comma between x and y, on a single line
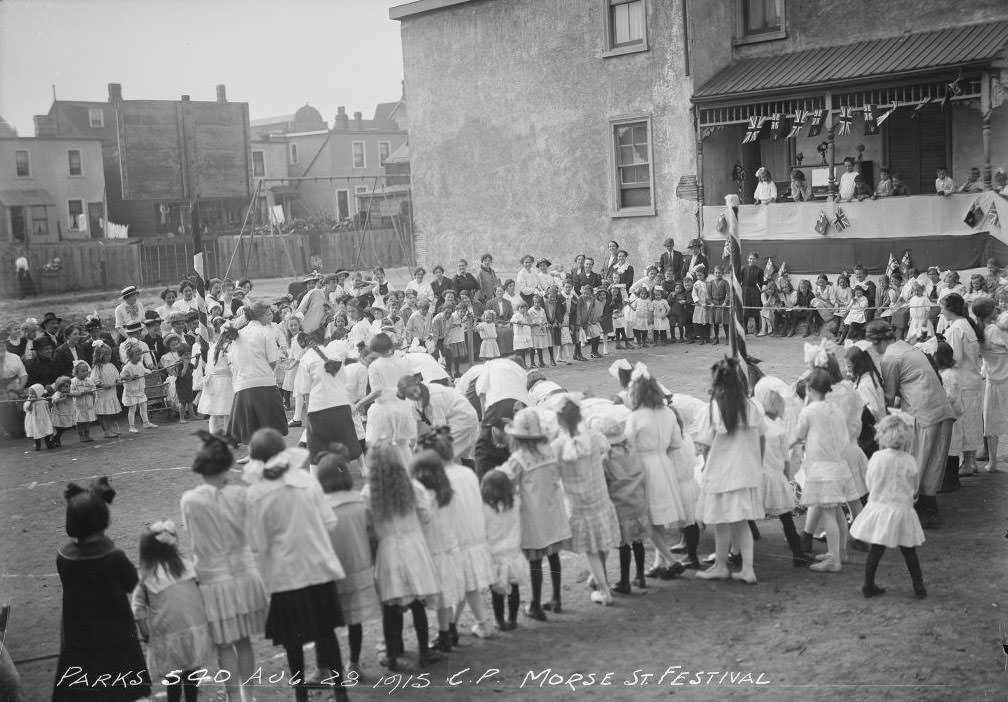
[(169, 612)]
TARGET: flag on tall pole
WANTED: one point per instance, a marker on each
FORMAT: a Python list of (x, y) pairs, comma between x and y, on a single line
[(200, 283), (734, 248)]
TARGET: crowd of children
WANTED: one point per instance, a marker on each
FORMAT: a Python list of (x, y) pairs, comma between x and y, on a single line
[(295, 552)]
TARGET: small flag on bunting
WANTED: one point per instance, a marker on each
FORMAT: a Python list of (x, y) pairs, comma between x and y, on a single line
[(870, 120), (906, 262), (893, 265), (816, 123), (776, 120), (798, 123), (753, 130), (921, 105), (882, 117), (840, 220), (992, 216), (822, 223), (975, 215), (846, 120)]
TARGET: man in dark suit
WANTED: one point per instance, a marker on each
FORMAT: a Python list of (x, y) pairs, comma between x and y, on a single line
[(50, 326), (671, 258), (75, 348)]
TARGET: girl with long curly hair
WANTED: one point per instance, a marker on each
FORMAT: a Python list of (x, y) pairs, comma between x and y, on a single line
[(404, 570), (731, 438)]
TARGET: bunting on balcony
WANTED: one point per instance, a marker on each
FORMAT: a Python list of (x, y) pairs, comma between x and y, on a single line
[(776, 125), (822, 223), (870, 119), (799, 121), (883, 116), (753, 129), (816, 123), (921, 105), (893, 266), (846, 120)]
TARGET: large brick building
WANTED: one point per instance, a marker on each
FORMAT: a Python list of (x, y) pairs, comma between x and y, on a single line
[(164, 157)]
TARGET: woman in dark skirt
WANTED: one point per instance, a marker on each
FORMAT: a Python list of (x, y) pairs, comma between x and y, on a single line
[(330, 417), (98, 633), (286, 524)]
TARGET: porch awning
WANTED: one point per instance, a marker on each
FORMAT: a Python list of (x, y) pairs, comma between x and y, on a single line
[(900, 57), (28, 197)]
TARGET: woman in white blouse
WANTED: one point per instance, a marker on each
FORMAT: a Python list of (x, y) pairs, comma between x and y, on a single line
[(965, 337), (527, 279), (423, 290), (766, 189)]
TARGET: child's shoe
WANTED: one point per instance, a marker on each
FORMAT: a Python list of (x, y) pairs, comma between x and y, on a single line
[(872, 591), (150, 425), (453, 634), (830, 564), (480, 631), (919, 591), (134, 430), (622, 588), (639, 583), (535, 611)]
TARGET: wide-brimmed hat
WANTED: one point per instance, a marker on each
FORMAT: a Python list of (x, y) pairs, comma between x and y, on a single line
[(50, 317), (341, 272), (695, 244), (311, 277), (129, 290), (544, 262), (178, 316), (151, 317), (526, 425), (133, 328), (879, 330)]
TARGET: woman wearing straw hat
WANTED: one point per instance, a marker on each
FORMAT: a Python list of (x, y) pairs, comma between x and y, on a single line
[(129, 310)]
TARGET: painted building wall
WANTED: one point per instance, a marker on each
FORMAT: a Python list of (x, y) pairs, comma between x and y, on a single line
[(50, 171), (510, 136), (331, 155)]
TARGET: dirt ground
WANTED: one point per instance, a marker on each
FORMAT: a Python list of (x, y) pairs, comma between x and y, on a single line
[(794, 635)]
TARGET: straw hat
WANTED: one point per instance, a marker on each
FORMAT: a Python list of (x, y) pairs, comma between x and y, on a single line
[(526, 425)]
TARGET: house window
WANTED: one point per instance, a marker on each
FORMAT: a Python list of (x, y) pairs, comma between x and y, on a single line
[(39, 220), (73, 157), (22, 164), (358, 155), (384, 148), (259, 164), (76, 210), (342, 204), (760, 20), (634, 180), (361, 190), (96, 117), (626, 27), (293, 153), (18, 224)]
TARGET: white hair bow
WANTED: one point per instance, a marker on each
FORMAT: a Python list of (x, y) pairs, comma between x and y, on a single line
[(640, 371), (818, 356), (165, 532), (96, 343), (617, 366)]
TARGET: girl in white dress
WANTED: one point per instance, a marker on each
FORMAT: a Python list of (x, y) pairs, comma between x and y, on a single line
[(390, 419), (501, 508), (822, 429), (920, 315), (487, 330), (470, 527), (233, 592), (730, 439), (404, 569), (218, 391), (540, 332), (83, 391), (522, 332), (778, 497), (660, 310), (38, 422), (643, 311), (295, 350), (134, 381), (105, 377), (654, 432), (995, 371), (439, 531), (701, 325), (889, 519)]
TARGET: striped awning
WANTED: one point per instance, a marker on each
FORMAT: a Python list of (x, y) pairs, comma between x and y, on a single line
[(907, 56)]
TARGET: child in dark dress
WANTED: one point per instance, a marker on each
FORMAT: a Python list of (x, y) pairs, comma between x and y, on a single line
[(99, 636), (184, 382)]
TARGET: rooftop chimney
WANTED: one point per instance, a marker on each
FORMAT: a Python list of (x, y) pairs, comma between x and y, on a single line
[(341, 121), (185, 98), (357, 121), (115, 92), (221, 93)]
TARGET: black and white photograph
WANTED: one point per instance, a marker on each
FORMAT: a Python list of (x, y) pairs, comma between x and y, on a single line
[(503, 350)]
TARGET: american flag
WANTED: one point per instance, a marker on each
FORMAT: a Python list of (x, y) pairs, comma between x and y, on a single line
[(734, 249), (199, 281)]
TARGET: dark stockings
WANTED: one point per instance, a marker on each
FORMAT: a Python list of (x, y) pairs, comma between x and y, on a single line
[(636, 549), (512, 604), (392, 626), (535, 570), (875, 552), (174, 692), (355, 633), (791, 534), (692, 534)]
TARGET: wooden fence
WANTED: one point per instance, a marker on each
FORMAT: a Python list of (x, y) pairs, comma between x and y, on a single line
[(109, 265)]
